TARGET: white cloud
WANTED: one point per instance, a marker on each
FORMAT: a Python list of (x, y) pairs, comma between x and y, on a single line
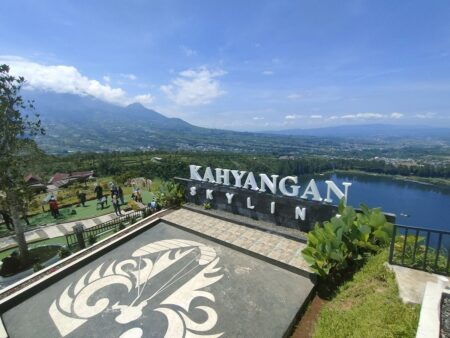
[(194, 87), (106, 78), (144, 99), (428, 115), (67, 79), (267, 72), (362, 116), (367, 116), (293, 117), (257, 118), (188, 51), (294, 96), (316, 116), (304, 94), (396, 115), (131, 77)]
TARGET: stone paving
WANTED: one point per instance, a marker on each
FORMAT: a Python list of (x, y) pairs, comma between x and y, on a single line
[(168, 281), (287, 232), (55, 230), (267, 244)]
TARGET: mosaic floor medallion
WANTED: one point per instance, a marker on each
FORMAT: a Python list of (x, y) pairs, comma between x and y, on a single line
[(198, 267)]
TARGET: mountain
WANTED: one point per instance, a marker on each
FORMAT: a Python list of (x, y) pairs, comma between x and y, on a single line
[(370, 131), (84, 124), (64, 108)]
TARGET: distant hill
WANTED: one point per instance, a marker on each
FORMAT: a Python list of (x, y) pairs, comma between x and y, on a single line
[(84, 124), (370, 131)]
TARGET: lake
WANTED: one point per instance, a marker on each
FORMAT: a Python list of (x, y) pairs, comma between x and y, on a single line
[(425, 205)]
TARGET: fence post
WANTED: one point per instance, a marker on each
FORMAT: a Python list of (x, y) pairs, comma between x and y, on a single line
[(78, 230), (391, 249)]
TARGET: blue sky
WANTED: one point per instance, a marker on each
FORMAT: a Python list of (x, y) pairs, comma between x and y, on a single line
[(243, 65)]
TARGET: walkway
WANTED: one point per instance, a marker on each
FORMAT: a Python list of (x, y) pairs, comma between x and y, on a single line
[(55, 230), (412, 283)]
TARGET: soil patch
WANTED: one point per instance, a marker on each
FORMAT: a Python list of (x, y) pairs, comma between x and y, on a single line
[(305, 328)]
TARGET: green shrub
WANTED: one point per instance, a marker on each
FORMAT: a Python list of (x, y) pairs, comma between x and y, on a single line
[(92, 239), (207, 205), (37, 267), (121, 226), (346, 239), (64, 252), (170, 194), (147, 212), (133, 205), (414, 254)]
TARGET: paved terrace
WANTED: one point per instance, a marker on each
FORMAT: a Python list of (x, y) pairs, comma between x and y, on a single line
[(271, 245), (188, 274)]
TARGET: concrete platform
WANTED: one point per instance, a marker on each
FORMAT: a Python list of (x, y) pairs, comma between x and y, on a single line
[(166, 282), (412, 283)]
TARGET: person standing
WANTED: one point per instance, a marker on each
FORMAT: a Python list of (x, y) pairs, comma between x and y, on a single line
[(116, 205), (114, 191), (82, 197), (98, 191), (54, 209), (121, 195)]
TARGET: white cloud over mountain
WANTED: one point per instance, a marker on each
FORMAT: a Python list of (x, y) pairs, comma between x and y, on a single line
[(293, 117), (367, 116), (194, 87), (428, 115), (68, 79)]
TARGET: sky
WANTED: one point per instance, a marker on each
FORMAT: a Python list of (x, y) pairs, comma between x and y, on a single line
[(241, 65)]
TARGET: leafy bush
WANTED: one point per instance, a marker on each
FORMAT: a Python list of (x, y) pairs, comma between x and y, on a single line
[(413, 254), (64, 252), (146, 212), (170, 194), (37, 267), (133, 205), (346, 239), (121, 226), (92, 239), (207, 205)]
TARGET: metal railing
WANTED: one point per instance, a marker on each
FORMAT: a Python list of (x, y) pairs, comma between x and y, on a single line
[(420, 248), (102, 228)]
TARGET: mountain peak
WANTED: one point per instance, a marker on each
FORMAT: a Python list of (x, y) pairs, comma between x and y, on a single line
[(136, 105)]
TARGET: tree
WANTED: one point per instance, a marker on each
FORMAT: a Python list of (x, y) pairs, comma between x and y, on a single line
[(17, 148)]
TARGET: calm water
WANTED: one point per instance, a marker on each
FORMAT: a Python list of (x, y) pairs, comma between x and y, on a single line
[(425, 205)]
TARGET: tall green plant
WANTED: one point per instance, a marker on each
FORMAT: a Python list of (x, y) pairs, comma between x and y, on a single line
[(170, 194), (346, 238)]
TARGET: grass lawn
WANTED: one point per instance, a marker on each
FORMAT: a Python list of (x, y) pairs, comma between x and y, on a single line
[(68, 195), (89, 211), (368, 306)]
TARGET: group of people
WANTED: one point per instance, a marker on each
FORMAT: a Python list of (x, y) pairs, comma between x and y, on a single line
[(117, 198), (102, 201)]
